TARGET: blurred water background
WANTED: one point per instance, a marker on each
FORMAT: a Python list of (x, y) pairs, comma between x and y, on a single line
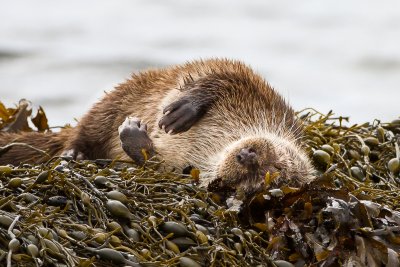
[(332, 54)]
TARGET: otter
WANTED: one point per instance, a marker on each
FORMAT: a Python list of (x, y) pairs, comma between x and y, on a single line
[(215, 115)]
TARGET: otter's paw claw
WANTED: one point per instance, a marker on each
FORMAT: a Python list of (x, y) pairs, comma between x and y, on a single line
[(179, 116), (73, 154), (132, 128)]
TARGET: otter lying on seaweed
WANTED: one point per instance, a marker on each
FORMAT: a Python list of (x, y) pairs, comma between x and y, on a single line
[(215, 115)]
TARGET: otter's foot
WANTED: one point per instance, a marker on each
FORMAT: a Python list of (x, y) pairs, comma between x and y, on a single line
[(135, 140), (180, 115), (74, 154)]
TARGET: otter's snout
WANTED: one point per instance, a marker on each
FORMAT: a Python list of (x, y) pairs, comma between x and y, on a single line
[(247, 157)]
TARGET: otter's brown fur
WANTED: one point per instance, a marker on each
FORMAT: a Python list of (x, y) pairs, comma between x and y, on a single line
[(243, 107), (50, 143)]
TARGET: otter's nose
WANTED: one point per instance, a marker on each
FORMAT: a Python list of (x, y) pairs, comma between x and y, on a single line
[(247, 157)]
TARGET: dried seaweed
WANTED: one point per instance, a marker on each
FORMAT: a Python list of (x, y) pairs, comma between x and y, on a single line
[(111, 212)]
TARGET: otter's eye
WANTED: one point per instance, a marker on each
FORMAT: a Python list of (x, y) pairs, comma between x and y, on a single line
[(252, 150)]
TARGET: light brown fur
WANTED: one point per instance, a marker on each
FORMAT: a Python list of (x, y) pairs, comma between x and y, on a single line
[(247, 108)]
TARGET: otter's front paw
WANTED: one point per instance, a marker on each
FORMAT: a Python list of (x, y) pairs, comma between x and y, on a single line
[(74, 154), (179, 116), (134, 139)]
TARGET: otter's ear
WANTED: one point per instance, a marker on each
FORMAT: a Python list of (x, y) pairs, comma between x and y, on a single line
[(246, 157)]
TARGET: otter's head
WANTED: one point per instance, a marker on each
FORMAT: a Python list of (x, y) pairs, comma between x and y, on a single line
[(246, 163)]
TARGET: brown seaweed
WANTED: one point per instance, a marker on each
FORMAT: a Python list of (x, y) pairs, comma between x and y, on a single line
[(111, 212)]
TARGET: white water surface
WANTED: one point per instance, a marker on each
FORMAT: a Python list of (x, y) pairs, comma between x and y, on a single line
[(332, 54)]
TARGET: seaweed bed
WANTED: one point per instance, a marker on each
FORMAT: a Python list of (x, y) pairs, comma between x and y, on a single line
[(114, 213)]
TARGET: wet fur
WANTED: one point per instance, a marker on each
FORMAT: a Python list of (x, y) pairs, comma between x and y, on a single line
[(240, 105)]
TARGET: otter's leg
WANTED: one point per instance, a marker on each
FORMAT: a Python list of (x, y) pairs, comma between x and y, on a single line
[(182, 114), (134, 140)]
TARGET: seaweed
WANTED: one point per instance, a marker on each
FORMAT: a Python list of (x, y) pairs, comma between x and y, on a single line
[(115, 213)]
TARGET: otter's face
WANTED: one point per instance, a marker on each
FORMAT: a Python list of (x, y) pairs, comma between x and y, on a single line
[(246, 163)]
